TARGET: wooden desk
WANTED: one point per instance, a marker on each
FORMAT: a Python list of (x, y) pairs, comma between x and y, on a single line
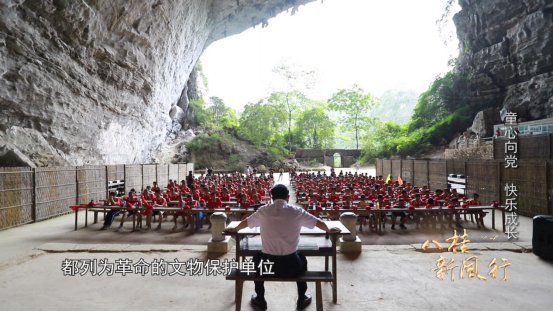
[(434, 211), (309, 245), (231, 210)]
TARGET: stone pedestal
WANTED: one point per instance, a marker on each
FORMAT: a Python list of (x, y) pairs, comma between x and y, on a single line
[(218, 243), (349, 243), (219, 247), (350, 246)]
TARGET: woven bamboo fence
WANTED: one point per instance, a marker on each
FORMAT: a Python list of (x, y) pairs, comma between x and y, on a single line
[(91, 183), (149, 176), (396, 167), (437, 174), (133, 178), (420, 171), (379, 167), (56, 190), (30, 195), (162, 175), (174, 173), (533, 180), (407, 171), (386, 167), (16, 196), (189, 167), (115, 172), (530, 179), (529, 147)]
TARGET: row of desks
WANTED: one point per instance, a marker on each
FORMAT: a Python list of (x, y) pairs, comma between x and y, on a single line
[(435, 211), (101, 208)]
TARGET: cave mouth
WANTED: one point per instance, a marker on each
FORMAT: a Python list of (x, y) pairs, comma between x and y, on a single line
[(369, 43)]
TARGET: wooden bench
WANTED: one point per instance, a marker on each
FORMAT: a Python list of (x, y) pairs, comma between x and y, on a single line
[(309, 276)]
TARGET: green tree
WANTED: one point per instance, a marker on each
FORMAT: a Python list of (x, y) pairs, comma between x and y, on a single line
[(293, 80), (222, 115), (355, 105), (316, 128), (261, 124)]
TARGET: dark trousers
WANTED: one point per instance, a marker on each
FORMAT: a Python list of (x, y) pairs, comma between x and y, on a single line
[(110, 216), (282, 266)]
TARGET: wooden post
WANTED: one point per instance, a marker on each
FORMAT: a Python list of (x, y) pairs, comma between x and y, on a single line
[(548, 187), (33, 203), (466, 178), (107, 181), (428, 173), (498, 184)]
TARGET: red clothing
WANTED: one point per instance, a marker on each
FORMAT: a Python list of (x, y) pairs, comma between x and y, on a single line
[(160, 201), (214, 203)]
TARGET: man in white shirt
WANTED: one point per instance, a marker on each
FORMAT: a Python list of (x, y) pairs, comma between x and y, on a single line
[(280, 226)]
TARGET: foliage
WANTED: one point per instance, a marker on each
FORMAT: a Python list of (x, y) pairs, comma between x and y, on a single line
[(262, 124), (435, 103), (201, 115), (223, 117), (293, 80), (355, 104), (315, 128), (438, 114)]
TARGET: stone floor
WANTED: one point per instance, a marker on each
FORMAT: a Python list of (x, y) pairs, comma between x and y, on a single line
[(391, 272)]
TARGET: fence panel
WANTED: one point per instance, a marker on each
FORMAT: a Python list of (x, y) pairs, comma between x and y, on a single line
[(189, 167), (421, 172), (182, 171), (550, 188), (174, 173), (91, 183), (379, 168), (386, 167), (149, 176), (530, 179), (437, 174), (396, 168), (534, 147), (115, 172), (16, 196), (455, 166), (482, 179), (407, 171), (56, 190), (133, 178), (162, 173)]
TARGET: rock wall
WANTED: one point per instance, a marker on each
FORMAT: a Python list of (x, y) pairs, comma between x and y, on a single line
[(94, 81), (506, 55)]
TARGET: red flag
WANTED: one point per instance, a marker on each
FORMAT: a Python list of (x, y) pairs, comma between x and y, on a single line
[(399, 180)]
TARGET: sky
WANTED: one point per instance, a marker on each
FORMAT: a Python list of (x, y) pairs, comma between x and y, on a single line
[(377, 44)]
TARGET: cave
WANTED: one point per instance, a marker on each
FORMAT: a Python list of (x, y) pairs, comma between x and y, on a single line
[(99, 82)]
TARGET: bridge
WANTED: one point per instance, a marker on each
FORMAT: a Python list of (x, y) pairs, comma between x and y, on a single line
[(330, 157)]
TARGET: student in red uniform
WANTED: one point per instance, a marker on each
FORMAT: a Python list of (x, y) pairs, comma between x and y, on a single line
[(417, 203), (183, 188), (111, 201), (225, 195), (475, 201), (400, 204), (132, 207), (160, 202), (181, 213), (214, 201), (155, 187)]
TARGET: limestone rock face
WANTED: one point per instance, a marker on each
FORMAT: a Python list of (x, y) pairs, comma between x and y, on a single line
[(506, 53), (484, 121), (95, 81)]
